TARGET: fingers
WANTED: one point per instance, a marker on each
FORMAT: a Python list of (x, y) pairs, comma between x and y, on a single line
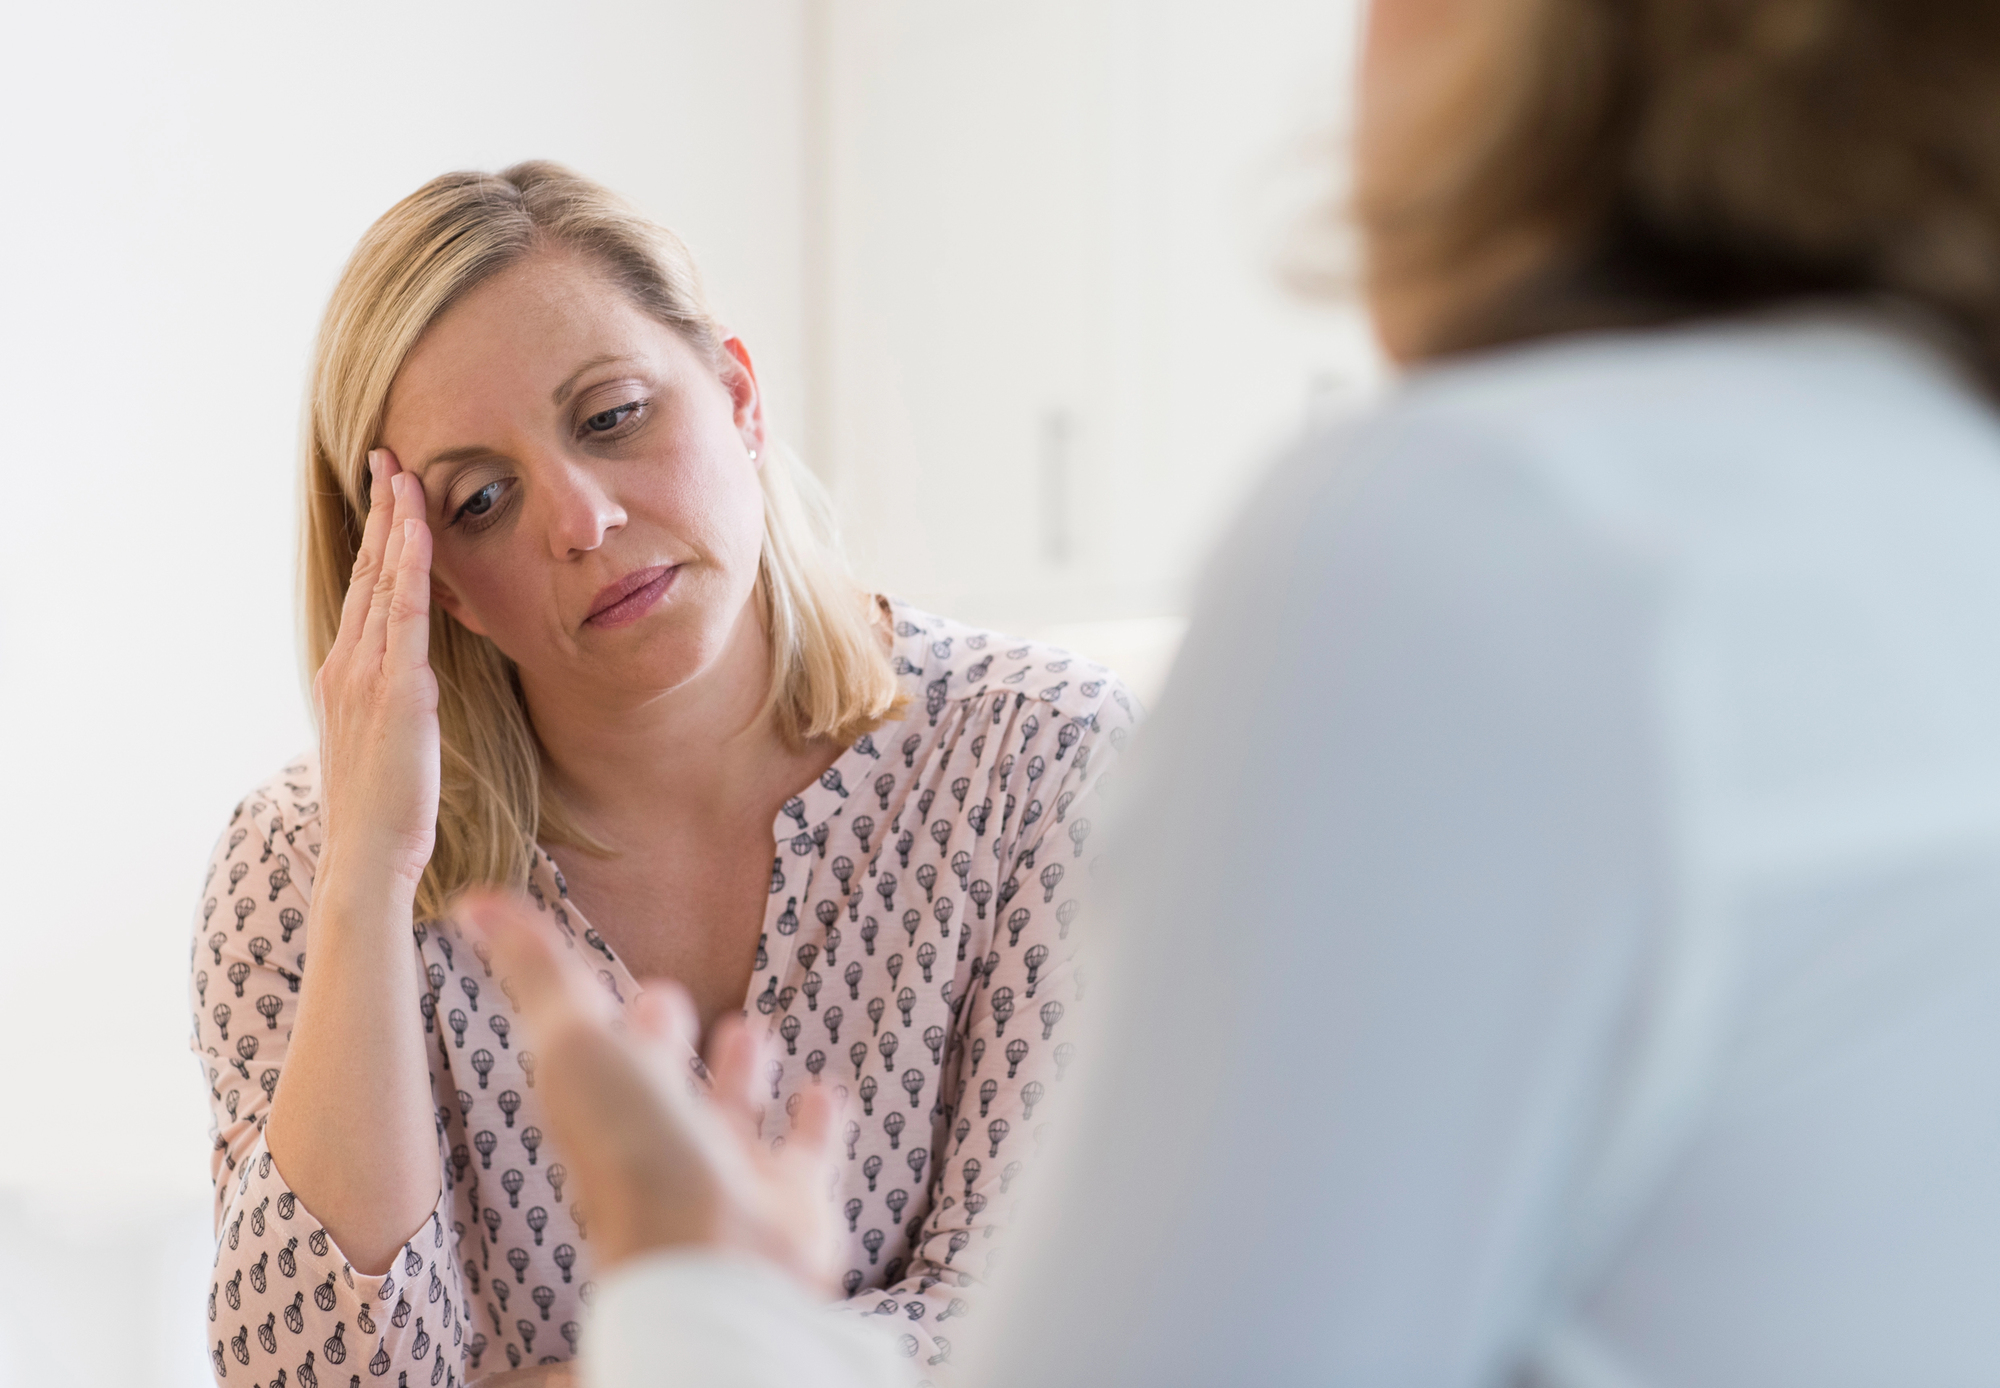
[(664, 1015), (521, 955), (666, 1035), (409, 635), (732, 1059), (813, 1125), (408, 505), (382, 466)]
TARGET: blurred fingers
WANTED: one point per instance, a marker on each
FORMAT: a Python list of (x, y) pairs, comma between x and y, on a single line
[(814, 1125), (523, 956), (663, 1011), (732, 1070)]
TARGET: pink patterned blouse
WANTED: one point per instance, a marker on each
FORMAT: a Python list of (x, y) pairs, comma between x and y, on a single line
[(916, 957)]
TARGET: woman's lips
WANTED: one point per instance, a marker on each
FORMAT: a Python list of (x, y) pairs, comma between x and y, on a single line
[(631, 597)]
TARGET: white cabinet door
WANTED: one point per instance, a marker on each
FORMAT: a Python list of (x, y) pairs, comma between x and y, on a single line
[(1051, 347)]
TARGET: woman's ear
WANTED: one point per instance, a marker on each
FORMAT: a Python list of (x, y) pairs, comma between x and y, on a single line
[(739, 378)]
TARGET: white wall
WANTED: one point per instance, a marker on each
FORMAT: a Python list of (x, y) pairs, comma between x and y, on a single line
[(186, 181), (941, 225), (183, 181)]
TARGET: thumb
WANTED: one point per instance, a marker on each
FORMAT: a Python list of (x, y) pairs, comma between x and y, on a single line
[(813, 1125), (521, 954)]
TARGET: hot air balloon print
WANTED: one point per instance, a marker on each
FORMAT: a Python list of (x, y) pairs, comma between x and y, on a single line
[(1036, 956), (1016, 923)]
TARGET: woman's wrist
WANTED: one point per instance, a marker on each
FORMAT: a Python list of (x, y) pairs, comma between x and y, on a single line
[(355, 884)]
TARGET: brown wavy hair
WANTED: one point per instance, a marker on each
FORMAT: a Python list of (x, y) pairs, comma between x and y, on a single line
[(830, 668), (1676, 158)]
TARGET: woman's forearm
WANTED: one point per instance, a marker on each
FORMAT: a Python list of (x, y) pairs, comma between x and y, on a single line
[(353, 1128), (352, 1125)]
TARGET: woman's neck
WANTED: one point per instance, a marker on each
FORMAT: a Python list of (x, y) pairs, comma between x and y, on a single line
[(706, 754)]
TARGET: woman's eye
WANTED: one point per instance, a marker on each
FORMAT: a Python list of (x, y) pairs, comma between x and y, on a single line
[(480, 502), (604, 421)]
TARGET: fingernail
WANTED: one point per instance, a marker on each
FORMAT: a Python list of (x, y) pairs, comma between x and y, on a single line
[(409, 531), (375, 464)]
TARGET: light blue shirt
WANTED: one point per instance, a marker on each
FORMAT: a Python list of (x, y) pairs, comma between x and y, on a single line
[(1559, 931)]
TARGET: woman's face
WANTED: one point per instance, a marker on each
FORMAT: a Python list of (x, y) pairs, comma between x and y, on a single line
[(589, 480)]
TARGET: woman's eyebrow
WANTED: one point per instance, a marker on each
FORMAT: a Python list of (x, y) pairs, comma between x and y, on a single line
[(450, 455), (561, 392), (559, 395)]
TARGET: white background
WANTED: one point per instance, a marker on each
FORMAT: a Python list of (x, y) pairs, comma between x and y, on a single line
[(1008, 271)]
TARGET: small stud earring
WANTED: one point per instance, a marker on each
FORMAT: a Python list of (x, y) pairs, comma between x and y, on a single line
[(753, 455)]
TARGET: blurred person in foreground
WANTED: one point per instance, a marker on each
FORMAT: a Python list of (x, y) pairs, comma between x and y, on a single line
[(1559, 922)]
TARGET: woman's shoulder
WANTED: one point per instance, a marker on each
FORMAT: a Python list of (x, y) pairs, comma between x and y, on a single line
[(1841, 377), (942, 661), (282, 810)]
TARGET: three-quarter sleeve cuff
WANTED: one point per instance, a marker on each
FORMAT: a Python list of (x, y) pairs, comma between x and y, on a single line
[(285, 1296)]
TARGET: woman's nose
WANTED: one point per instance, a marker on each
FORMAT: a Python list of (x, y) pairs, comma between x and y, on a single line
[(581, 510)]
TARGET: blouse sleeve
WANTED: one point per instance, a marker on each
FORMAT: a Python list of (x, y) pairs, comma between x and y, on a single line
[(284, 1298), (1014, 1032)]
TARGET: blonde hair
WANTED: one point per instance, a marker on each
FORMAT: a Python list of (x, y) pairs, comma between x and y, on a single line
[(830, 671), (1685, 157)]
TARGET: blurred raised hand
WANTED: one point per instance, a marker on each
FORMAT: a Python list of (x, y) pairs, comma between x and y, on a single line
[(661, 1158)]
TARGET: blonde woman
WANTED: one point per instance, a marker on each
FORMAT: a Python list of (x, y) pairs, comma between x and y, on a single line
[(568, 603)]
